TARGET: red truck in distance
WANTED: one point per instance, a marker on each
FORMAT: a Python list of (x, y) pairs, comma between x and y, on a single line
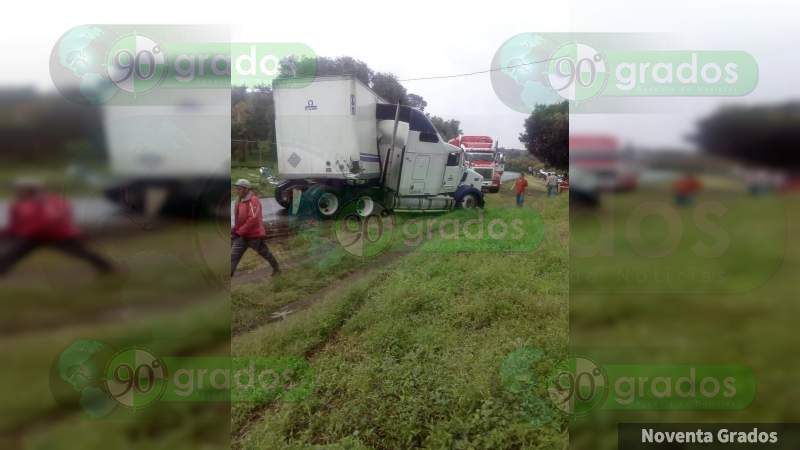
[(602, 157), (481, 156)]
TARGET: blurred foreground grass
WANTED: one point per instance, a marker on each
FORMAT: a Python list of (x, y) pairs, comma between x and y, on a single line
[(171, 299), (714, 283)]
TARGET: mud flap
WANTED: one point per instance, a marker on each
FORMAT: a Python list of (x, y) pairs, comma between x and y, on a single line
[(296, 194)]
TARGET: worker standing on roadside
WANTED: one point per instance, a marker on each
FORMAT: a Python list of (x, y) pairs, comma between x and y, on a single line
[(552, 184), (519, 187), (37, 219), (685, 189), (248, 228)]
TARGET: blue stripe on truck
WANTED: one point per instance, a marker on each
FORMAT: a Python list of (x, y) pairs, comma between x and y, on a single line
[(369, 157)]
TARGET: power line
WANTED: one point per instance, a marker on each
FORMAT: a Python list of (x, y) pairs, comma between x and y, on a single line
[(494, 69)]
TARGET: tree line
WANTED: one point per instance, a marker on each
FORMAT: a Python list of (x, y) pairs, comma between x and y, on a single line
[(766, 135)]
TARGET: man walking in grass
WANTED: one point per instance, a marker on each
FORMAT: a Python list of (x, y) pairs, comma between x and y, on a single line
[(248, 229), (520, 185), (552, 184)]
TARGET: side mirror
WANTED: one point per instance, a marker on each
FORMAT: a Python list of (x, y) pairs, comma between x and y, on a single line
[(428, 137)]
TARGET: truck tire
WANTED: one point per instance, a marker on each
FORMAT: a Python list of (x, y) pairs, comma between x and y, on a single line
[(324, 202), (468, 197), (328, 204), (469, 201), (366, 206), (283, 192)]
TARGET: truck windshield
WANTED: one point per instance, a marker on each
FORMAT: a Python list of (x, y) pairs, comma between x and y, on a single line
[(417, 120), (421, 123), (480, 157)]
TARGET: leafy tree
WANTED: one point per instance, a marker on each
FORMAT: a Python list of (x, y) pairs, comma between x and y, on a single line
[(387, 86), (260, 123), (416, 101), (322, 66), (384, 84), (764, 135), (252, 118), (546, 134), (447, 128)]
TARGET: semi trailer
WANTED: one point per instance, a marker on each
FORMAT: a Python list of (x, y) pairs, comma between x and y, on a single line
[(482, 156), (171, 155), (340, 144)]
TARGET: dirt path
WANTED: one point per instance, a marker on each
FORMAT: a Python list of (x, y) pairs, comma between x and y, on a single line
[(380, 264), (334, 290)]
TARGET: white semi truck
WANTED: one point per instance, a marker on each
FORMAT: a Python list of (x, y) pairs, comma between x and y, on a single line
[(340, 144)]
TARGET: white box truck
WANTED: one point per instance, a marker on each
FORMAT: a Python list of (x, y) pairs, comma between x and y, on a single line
[(171, 154), (339, 143)]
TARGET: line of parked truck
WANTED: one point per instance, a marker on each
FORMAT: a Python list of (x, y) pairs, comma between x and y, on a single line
[(481, 155)]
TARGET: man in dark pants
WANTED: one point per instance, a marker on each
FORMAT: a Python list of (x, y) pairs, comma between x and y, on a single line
[(41, 219), (248, 228)]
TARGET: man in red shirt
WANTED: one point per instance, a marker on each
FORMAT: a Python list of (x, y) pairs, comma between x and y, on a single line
[(38, 218), (685, 189), (248, 228), (520, 184)]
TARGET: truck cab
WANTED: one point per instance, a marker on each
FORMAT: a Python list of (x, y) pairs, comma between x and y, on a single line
[(422, 171), (482, 156)]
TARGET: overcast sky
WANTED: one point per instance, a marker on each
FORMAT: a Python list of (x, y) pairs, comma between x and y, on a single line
[(423, 38), (767, 30)]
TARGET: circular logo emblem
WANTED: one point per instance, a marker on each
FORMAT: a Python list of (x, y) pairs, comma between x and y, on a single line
[(136, 378), (522, 82), (362, 230), (78, 65), (90, 64), (542, 69), (136, 64), (578, 385), (77, 379), (577, 72)]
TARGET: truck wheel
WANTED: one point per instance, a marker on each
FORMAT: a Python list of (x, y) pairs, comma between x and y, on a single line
[(327, 204), (283, 192), (365, 206), (283, 196), (469, 201)]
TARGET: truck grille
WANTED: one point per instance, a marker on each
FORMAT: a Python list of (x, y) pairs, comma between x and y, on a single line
[(485, 173)]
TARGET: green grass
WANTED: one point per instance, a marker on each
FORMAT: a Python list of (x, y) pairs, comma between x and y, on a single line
[(54, 175), (25, 391), (735, 307), (251, 305), (179, 270), (411, 355), (262, 188), (312, 261), (170, 299)]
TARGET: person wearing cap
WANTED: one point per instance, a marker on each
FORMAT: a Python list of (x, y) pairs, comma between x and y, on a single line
[(37, 219), (248, 228)]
